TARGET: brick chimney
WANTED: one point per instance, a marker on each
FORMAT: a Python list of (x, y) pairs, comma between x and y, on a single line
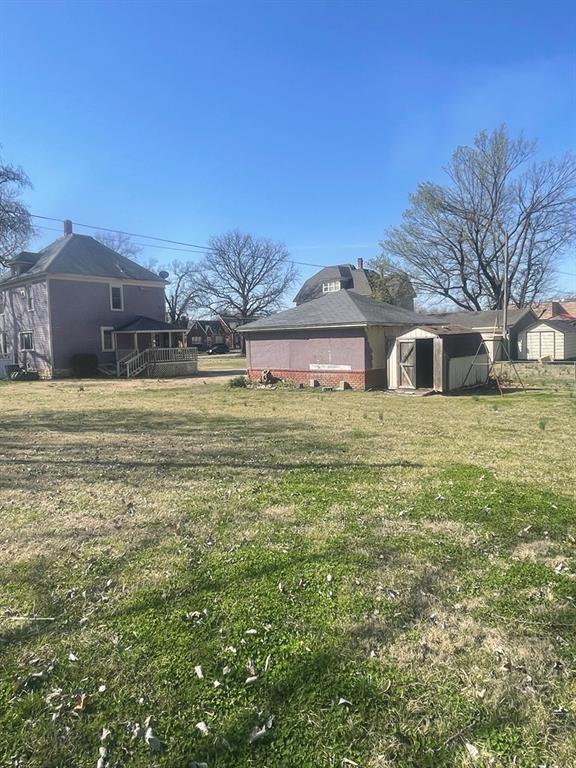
[(360, 263), (67, 227)]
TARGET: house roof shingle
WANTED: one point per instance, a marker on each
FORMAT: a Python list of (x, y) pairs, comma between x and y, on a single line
[(144, 324), (336, 309), (489, 318), (81, 255)]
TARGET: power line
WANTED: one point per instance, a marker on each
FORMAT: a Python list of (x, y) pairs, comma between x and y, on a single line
[(203, 248)]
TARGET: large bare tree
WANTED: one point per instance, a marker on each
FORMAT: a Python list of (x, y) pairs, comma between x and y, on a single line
[(183, 291), (121, 243), (15, 221), (244, 276), (452, 238), (125, 246)]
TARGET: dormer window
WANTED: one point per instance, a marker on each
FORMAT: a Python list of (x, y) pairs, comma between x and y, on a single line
[(331, 286)]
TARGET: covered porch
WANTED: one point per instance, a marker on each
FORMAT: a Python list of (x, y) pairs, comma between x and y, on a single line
[(150, 346)]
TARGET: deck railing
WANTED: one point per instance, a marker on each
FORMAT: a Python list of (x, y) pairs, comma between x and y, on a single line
[(148, 358)]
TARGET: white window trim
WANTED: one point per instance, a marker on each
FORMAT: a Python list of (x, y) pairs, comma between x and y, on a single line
[(331, 286), (104, 328), (117, 285), (20, 347), (29, 296), (3, 343)]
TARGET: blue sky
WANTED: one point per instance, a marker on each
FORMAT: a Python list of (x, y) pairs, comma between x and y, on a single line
[(306, 122)]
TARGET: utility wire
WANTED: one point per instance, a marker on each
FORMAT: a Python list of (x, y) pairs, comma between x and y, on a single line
[(203, 248)]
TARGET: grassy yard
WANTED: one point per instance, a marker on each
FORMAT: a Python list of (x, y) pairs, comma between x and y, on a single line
[(221, 362), (285, 578)]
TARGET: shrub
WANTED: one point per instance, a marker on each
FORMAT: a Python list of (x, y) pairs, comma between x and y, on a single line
[(238, 382)]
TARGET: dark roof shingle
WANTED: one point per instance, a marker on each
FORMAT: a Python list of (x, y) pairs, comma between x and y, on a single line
[(337, 309), (83, 255)]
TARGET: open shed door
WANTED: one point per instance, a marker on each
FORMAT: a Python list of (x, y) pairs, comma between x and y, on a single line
[(407, 365)]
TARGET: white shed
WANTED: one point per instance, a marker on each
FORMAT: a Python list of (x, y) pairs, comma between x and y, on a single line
[(440, 358), (553, 339)]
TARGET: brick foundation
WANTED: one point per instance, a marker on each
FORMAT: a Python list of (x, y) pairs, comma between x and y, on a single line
[(358, 380)]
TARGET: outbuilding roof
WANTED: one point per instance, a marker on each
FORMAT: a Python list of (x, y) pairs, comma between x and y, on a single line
[(558, 323), (340, 308), (80, 255), (489, 318)]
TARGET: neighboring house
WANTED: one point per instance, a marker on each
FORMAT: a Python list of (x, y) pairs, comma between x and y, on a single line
[(341, 336), (556, 308), (205, 333), (346, 277), (489, 324), (552, 339), (76, 296)]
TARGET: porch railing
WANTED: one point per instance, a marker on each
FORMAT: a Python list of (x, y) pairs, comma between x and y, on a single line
[(149, 358)]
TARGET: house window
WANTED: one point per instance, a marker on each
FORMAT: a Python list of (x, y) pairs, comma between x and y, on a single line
[(107, 339), (26, 341), (2, 302), (331, 286), (3, 343), (116, 298), (29, 298)]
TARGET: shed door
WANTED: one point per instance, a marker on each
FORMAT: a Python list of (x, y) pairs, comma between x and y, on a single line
[(540, 344), (407, 364)]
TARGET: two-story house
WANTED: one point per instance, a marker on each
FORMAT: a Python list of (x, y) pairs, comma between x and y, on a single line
[(395, 289), (78, 297)]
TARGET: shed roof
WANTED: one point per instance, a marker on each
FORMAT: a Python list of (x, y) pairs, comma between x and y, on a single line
[(341, 308), (81, 255), (488, 318), (558, 323)]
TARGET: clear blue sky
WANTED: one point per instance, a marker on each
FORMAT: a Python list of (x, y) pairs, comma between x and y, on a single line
[(306, 122)]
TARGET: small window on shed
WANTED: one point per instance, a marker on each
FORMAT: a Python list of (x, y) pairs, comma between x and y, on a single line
[(116, 298), (331, 286)]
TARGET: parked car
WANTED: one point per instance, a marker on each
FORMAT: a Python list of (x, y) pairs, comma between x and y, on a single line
[(218, 349)]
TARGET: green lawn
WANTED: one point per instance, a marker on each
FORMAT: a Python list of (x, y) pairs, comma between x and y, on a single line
[(221, 362), (363, 579)]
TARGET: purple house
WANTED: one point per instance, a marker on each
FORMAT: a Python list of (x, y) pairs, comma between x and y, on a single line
[(77, 297)]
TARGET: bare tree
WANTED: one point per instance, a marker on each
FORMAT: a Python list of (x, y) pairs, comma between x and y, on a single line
[(15, 221), (452, 239), (389, 283), (245, 277), (121, 243), (125, 246), (183, 292)]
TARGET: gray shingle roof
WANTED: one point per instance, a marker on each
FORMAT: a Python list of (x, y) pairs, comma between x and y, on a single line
[(143, 324), (488, 318), (350, 278), (337, 309), (84, 255), (559, 323)]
